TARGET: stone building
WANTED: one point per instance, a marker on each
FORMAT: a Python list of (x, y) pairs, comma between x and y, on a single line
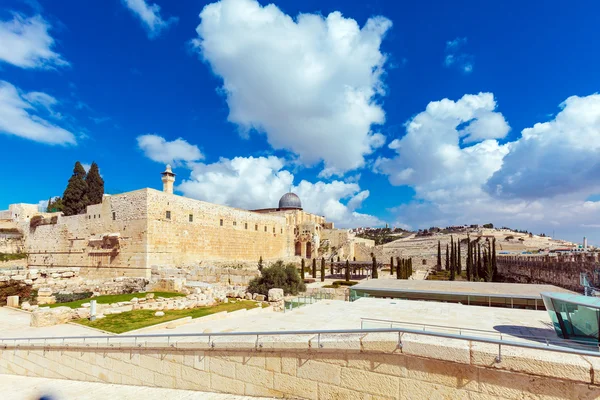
[(133, 233)]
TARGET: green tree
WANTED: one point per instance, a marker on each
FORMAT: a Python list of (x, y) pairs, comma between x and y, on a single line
[(54, 205), (494, 262), (468, 260), (302, 269), (75, 196), (314, 268), (398, 268), (260, 264), (439, 257), (391, 265), (278, 275), (458, 260), (95, 185)]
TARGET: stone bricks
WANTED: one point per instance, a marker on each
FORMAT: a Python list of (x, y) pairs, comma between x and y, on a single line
[(369, 382), (52, 316)]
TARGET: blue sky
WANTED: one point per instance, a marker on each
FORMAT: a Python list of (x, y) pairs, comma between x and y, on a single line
[(408, 113)]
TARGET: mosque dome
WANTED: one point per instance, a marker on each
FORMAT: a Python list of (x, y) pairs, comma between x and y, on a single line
[(290, 200)]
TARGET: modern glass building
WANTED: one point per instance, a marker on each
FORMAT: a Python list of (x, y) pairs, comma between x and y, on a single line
[(574, 316)]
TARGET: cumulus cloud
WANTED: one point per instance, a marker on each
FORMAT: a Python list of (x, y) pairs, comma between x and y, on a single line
[(174, 152), (259, 182), (26, 43), (456, 57), (431, 157), (555, 157), (19, 117), (310, 83), (149, 15)]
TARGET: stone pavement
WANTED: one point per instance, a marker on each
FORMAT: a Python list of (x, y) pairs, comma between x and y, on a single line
[(15, 323), (23, 387)]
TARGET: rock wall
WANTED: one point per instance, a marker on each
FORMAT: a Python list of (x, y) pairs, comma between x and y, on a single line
[(562, 271), (370, 366)]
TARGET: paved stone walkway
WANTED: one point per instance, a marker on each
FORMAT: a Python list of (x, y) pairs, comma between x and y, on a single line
[(15, 323), (22, 387)]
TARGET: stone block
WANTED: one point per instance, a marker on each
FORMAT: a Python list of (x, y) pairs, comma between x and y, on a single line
[(226, 385), (370, 382), (44, 292), (319, 372), (159, 314), (41, 300), (260, 297), (52, 316), (18, 277), (294, 386), (275, 294), (12, 301)]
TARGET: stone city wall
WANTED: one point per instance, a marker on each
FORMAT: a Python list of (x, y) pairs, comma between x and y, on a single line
[(216, 233), (562, 271), (76, 241), (370, 366)]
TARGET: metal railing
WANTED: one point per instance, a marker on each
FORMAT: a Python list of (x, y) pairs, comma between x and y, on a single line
[(301, 301), (461, 331), (316, 334)]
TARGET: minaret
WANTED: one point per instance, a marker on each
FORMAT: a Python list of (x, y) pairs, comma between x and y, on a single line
[(168, 178)]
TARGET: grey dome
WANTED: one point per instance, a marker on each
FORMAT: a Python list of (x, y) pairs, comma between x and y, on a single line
[(290, 200)]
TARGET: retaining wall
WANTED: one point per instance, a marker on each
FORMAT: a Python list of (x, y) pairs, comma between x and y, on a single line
[(368, 366)]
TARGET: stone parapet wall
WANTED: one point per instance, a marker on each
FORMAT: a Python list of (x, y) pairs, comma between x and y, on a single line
[(561, 271), (71, 280), (214, 273), (370, 366)]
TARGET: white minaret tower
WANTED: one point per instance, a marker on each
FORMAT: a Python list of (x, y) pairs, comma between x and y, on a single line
[(584, 243), (168, 178)]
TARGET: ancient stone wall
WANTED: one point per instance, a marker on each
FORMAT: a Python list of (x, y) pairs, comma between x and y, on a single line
[(561, 271), (77, 241), (332, 367), (11, 244), (215, 233)]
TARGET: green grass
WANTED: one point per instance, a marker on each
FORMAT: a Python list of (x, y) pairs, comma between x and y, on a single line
[(12, 256), (114, 298), (128, 321), (445, 276)]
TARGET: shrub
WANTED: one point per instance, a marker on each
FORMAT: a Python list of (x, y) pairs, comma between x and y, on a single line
[(67, 298), (36, 221), (278, 275), (344, 283)]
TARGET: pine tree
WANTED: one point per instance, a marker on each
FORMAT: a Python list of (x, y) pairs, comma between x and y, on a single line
[(347, 271), (439, 257), (95, 185), (322, 269), (302, 268), (54, 205), (75, 196), (374, 272)]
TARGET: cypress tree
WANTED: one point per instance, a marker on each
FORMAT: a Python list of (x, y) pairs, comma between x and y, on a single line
[(74, 198), (374, 272), (494, 265), (479, 264), (458, 260), (314, 268), (439, 257), (451, 253), (95, 185), (398, 268), (322, 269), (468, 260), (410, 268), (391, 265), (347, 271), (302, 268)]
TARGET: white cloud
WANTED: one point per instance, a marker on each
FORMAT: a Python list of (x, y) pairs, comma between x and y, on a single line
[(259, 182), (455, 57), (18, 117), (430, 156), (149, 15), (25, 43), (309, 83), (540, 182), (556, 157), (160, 150)]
